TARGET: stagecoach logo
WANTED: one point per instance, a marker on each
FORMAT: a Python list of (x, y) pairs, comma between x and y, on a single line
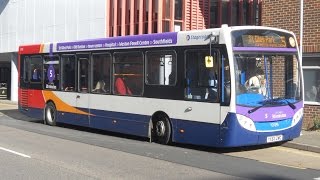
[(196, 37), (278, 115), (188, 37)]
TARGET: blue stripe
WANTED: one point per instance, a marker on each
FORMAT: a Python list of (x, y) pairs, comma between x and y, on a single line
[(273, 126)]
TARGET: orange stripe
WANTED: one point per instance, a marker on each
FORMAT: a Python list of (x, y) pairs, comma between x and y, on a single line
[(60, 105), (41, 48)]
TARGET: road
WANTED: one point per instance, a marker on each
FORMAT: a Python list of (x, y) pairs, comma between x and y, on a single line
[(31, 150)]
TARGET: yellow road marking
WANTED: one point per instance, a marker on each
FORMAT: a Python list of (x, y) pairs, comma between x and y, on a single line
[(296, 167), (301, 152)]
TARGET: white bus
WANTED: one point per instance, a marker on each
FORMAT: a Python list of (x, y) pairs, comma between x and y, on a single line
[(223, 87)]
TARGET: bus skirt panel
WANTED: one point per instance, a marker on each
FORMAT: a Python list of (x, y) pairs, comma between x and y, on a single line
[(133, 124), (196, 133), (234, 135)]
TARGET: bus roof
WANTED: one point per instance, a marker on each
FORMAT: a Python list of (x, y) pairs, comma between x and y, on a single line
[(182, 38)]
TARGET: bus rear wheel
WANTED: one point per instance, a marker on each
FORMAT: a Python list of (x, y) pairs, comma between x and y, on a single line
[(50, 114), (161, 129)]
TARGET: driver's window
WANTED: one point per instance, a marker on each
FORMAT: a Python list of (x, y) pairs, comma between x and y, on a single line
[(201, 81)]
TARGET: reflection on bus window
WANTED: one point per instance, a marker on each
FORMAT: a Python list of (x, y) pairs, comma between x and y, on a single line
[(83, 64), (202, 82), (161, 68), (35, 69), (128, 71), (26, 69), (266, 76), (68, 79), (101, 64)]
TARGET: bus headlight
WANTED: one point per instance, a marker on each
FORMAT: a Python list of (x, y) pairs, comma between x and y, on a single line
[(246, 122), (296, 117)]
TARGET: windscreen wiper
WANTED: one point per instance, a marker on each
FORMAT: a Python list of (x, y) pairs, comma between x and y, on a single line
[(268, 102), (289, 103), (272, 102), (254, 109)]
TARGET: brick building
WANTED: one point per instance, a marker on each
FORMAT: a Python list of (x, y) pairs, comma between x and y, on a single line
[(286, 14)]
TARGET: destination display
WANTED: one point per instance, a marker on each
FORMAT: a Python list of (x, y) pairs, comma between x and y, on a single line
[(262, 39)]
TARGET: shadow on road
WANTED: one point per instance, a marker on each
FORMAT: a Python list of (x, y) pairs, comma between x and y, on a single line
[(17, 115)]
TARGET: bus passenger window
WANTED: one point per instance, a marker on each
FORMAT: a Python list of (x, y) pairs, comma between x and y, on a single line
[(101, 64), (68, 79), (128, 71), (161, 68), (36, 69)]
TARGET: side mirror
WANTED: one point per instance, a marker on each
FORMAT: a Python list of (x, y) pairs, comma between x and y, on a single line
[(209, 61)]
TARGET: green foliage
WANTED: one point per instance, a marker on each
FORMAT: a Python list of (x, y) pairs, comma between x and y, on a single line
[(316, 122)]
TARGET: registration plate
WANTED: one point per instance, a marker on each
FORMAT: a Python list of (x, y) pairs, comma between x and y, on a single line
[(274, 138)]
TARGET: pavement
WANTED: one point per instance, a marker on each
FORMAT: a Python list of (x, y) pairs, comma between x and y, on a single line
[(308, 140)]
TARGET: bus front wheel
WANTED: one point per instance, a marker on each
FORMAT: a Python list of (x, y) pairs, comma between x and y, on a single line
[(161, 129), (50, 114)]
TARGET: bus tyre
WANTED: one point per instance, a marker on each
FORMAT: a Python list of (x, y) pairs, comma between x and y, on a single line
[(161, 129), (50, 114)]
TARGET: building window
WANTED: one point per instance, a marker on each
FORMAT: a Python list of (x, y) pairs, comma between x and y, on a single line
[(178, 10), (225, 12), (235, 12), (311, 74), (214, 9)]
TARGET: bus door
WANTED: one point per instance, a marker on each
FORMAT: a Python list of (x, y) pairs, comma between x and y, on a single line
[(82, 95), (225, 93), (202, 95)]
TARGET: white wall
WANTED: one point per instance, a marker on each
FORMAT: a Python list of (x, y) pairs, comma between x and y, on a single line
[(39, 21)]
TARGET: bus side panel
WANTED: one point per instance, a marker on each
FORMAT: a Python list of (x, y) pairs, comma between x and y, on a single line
[(72, 118), (197, 133), (32, 103), (36, 99), (35, 113), (133, 124)]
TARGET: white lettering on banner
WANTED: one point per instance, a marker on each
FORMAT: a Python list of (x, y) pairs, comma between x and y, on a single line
[(91, 46), (276, 116), (162, 41), (115, 44), (48, 86), (110, 45)]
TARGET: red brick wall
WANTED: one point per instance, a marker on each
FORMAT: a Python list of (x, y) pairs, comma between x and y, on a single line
[(285, 14), (310, 114)]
